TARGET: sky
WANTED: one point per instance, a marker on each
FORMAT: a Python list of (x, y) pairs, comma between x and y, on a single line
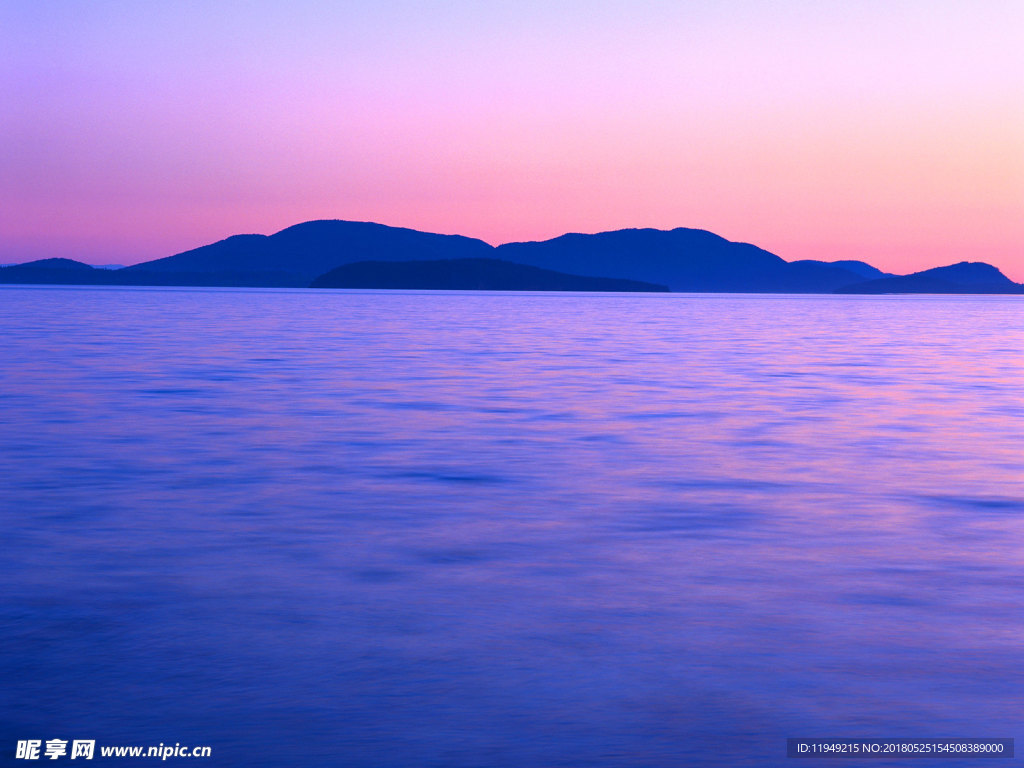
[(891, 132)]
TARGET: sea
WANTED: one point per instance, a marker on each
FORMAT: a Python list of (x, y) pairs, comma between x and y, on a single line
[(508, 530)]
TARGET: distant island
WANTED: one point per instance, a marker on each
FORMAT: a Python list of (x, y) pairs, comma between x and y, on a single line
[(965, 277), (469, 275), (330, 254)]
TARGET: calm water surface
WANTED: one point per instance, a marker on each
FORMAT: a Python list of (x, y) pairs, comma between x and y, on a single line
[(470, 530)]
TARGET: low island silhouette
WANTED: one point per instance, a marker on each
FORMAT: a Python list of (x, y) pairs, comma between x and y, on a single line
[(352, 254), (469, 275)]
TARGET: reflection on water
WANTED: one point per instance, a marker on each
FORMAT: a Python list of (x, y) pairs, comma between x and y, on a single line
[(347, 528)]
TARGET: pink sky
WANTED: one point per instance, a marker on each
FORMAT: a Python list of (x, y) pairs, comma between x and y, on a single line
[(889, 132)]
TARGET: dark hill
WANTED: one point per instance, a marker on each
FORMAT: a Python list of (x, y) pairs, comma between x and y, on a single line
[(468, 275), (296, 255), (683, 259), (50, 271), (54, 264), (965, 277), (970, 273), (862, 268)]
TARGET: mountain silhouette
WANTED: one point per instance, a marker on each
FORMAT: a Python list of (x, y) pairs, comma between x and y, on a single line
[(683, 259), (468, 275), (964, 277), (50, 271), (862, 268), (298, 254), (55, 264)]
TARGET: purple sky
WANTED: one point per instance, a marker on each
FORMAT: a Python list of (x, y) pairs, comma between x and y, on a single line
[(886, 131)]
